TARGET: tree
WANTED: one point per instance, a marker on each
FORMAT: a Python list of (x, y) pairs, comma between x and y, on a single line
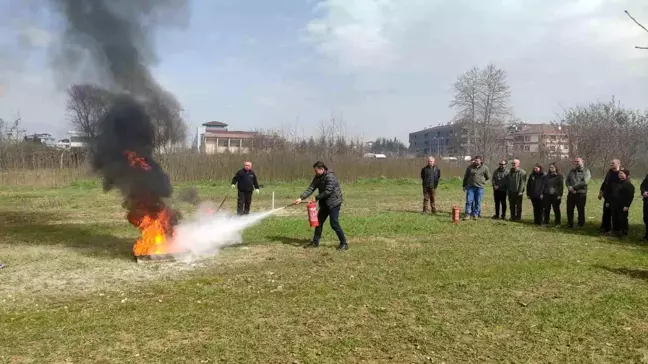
[(86, 105), (601, 131), (640, 25), (481, 99)]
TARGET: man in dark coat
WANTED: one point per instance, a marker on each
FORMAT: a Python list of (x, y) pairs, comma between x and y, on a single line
[(577, 180), (534, 192), (430, 175), (607, 190), (622, 197), (552, 192), (330, 201), (644, 195), (246, 181), (499, 180)]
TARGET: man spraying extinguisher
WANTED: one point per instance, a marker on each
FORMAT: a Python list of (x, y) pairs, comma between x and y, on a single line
[(330, 202)]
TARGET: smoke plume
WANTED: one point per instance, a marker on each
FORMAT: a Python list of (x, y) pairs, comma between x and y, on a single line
[(113, 41)]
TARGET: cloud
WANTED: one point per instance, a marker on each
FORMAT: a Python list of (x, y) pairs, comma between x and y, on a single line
[(387, 34)]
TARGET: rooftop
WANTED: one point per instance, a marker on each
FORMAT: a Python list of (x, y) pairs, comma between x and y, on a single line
[(214, 123), (539, 129)]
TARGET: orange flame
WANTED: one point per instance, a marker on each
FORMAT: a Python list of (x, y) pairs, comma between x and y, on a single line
[(157, 229)]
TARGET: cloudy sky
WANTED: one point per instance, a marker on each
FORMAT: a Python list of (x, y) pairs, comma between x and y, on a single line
[(380, 67)]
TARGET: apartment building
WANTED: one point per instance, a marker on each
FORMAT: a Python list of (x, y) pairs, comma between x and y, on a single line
[(541, 138)]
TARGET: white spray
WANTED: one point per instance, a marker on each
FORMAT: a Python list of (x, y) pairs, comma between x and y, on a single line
[(205, 233)]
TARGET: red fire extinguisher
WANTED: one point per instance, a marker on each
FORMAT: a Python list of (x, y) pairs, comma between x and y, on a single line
[(312, 214), (455, 214)]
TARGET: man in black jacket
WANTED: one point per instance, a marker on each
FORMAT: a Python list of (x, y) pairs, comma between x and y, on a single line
[(246, 181), (330, 202), (644, 194), (499, 181), (430, 176), (622, 197), (534, 192), (607, 190)]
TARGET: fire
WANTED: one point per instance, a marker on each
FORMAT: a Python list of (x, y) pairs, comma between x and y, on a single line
[(156, 226), (157, 232)]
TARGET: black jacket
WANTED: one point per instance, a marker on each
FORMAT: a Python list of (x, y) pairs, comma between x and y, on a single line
[(245, 180), (609, 183), (330, 193), (534, 184), (622, 195), (552, 185), (644, 188), (430, 176)]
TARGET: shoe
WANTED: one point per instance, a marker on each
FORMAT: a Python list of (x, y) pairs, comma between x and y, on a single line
[(475, 217), (466, 218), (312, 244), (495, 217), (344, 246)]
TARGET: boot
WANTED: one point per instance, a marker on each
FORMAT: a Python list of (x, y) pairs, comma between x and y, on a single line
[(312, 244), (343, 246)]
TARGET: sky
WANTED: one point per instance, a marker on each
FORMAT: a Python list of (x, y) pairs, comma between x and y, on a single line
[(378, 68)]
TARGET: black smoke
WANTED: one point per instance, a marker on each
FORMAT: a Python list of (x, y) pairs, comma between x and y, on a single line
[(112, 41)]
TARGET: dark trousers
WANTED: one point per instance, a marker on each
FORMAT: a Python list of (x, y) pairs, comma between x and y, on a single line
[(537, 210), (500, 202), (551, 203), (515, 205), (333, 215), (606, 220), (578, 201), (244, 202), (645, 216), (619, 221), (429, 197)]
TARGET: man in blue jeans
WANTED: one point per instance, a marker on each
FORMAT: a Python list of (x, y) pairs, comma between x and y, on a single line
[(474, 181), (330, 200)]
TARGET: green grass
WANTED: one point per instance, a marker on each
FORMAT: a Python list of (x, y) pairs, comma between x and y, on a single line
[(411, 289)]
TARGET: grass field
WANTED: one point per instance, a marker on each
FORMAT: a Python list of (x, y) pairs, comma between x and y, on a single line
[(411, 288)]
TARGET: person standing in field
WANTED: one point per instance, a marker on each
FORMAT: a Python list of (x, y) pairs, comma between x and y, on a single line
[(622, 198), (330, 201), (430, 175), (644, 194), (552, 192), (246, 181), (534, 192), (607, 190), (500, 178), (577, 180), (515, 186), (474, 181)]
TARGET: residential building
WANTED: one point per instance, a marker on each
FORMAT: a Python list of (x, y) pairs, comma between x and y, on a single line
[(438, 140), (451, 139), (541, 138), (216, 139)]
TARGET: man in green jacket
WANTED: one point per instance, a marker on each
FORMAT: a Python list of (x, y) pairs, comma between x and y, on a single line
[(576, 182), (517, 179), (474, 182)]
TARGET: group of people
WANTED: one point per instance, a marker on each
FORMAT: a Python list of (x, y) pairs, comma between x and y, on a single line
[(545, 190), (329, 198)]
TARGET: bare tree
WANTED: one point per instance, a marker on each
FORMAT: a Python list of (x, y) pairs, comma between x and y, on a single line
[(601, 131), (168, 121), (640, 25), (86, 105), (481, 98)]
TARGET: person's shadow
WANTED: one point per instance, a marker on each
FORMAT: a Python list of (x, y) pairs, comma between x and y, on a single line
[(289, 240), (632, 273)]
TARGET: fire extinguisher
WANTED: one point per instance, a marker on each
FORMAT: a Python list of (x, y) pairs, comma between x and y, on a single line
[(455, 214), (312, 214)]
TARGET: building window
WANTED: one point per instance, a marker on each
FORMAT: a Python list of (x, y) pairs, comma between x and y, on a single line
[(552, 148), (527, 138), (527, 148), (246, 143), (235, 142), (222, 142)]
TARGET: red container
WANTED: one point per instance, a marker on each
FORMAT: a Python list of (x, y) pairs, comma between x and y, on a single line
[(312, 214)]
